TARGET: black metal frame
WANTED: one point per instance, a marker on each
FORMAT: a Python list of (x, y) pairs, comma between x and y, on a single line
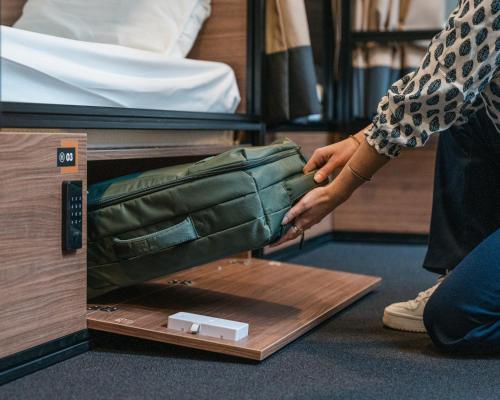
[(31, 115), (328, 50), (42, 356), (325, 125), (255, 55), (392, 36)]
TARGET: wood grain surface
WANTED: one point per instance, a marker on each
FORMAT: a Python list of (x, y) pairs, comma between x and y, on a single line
[(126, 138), (397, 200), (100, 154), (106, 145), (11, 11), (279, 301), (223, 38), (42, 289)]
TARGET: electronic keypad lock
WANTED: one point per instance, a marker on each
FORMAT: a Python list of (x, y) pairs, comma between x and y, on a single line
[(72, 215)]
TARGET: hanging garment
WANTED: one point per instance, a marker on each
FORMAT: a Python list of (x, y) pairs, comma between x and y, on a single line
[(422, 14), (290, 89)]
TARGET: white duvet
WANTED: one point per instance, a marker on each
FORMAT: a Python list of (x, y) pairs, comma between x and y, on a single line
[(38, 68)]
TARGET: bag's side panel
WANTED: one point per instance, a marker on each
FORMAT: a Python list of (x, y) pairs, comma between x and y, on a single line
[(269, 174), (280, 185), (104, 278), (137, 214)]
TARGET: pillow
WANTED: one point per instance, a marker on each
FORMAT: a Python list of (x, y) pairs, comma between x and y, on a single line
[(163, 26)]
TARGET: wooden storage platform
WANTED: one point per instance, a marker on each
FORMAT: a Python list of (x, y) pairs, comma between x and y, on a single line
[(279, 301)]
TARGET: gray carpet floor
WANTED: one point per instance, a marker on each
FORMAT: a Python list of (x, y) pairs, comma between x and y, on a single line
[(350, 356)]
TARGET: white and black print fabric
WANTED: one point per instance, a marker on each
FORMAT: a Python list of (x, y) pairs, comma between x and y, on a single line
[(459, 74)]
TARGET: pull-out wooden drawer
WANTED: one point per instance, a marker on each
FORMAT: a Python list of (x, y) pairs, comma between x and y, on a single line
[(279, 301)]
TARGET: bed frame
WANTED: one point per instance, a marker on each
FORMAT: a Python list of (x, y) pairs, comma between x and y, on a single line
[(275, 319), (238, 24)]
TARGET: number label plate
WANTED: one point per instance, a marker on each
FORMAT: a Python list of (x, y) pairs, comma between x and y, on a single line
[(66, 156)]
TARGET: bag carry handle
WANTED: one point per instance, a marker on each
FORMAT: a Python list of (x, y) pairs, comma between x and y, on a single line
[(298, 186), (156, 241)]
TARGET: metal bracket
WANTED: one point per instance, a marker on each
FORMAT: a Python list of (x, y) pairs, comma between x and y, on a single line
[(101, 308)]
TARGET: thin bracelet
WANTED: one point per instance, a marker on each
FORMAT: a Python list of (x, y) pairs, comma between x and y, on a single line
[(355, 139), (363, 178)]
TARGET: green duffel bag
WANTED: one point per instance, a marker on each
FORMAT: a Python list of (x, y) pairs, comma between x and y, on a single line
[(146, 225)]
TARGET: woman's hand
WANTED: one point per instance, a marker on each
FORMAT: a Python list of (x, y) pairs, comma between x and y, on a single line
[(312, 208), (319, 202), (327, 159)]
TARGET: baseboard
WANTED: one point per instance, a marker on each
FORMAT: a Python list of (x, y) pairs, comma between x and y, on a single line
[(380, 237), (295, 250), (42, 356), (348, 236)]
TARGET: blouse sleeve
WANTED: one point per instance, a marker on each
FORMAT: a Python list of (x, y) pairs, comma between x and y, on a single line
[(460, 63)]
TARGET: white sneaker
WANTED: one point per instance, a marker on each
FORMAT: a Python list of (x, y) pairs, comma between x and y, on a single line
[(408, 316)]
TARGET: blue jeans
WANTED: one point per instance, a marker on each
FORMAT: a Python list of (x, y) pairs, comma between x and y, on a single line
[(464, 311)]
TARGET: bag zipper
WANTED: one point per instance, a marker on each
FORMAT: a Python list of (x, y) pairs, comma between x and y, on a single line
[(240, 165)]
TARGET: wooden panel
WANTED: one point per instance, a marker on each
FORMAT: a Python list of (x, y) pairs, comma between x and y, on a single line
[(224, 38), (279, 301), (115, 144), (97, 154), (11, 11), (42, 289), (117, 138), (244, 254), (397, 200)]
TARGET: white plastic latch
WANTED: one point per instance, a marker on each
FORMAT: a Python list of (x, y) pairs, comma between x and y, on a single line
[(207, 326), (195, 328)]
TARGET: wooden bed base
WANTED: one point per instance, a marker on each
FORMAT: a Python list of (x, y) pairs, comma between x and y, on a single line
[(279, 301)]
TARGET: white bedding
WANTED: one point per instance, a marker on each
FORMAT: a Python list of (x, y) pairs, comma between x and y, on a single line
[(166, 26), (38, 68)]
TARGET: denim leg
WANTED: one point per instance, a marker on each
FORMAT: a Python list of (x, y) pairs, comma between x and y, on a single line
[(464, 311)]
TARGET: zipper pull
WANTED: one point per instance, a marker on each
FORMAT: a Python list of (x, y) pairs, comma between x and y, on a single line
[(301, 243)]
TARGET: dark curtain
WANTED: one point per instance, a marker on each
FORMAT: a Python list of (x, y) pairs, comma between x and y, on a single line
[(289, 75)]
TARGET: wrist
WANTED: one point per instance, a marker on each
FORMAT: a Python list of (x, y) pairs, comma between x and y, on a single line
[(342, 187), (361, 135), (367, 161)]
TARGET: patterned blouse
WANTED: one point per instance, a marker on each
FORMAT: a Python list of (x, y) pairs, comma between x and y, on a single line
[(459, 75)]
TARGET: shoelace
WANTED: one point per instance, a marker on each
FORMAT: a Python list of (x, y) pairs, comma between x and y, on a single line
[(422, 296), (426, 293)]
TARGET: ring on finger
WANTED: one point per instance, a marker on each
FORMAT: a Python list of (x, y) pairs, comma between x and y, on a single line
[(298, 229)]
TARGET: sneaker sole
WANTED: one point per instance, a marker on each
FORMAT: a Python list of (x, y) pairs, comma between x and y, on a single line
[(405, 324)]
